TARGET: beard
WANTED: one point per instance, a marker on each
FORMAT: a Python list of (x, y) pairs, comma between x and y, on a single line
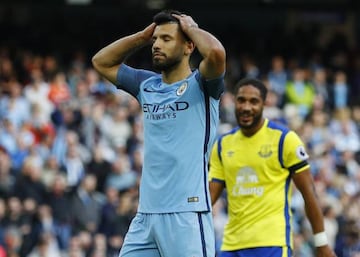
[(165, 64), (255, 121)]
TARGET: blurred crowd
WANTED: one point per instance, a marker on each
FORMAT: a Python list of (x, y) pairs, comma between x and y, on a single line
[(71, 150)]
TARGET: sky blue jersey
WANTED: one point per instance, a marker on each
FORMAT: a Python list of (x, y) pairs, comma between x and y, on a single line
[(180, 125)]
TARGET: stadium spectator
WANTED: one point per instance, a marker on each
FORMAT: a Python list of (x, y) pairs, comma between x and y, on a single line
[(28, 183), (340, 90), (300, 92), (99, 167), (85, 206), (36, 93), (121, 176), (14, 106), (322, 88), (59, 92), (278, 77), (59, 199), (108, 212)]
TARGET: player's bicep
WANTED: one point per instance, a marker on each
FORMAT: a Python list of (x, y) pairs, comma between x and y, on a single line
[(304, 182)]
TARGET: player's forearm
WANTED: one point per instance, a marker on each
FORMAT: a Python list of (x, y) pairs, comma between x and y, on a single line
[(314, 215), (115, 53), (108, 59), (216, 189), (208, 46), (304, 182)]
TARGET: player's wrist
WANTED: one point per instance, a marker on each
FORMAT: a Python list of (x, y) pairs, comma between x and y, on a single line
[(320, 239), (140, 39)]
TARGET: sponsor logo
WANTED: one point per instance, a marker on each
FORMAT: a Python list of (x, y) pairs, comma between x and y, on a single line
[(161, 108), (193, 199), (246, 183), (230, 153), (163, 111)]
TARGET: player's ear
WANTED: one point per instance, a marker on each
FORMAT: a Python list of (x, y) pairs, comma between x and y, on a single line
[(189, 47)]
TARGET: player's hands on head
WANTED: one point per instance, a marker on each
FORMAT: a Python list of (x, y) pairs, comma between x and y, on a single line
[(148, 32), (185, 21)]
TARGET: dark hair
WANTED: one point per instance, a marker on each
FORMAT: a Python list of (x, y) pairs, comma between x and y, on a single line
[(166, 17), (253, 82)]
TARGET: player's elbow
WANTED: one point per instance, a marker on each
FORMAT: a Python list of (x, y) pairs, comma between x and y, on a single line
[(104, 69), (99, 65), (96, 62), (217, 54), (217, 59)]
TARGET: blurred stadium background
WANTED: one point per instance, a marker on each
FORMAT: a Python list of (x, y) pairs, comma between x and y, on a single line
[(71, 148)]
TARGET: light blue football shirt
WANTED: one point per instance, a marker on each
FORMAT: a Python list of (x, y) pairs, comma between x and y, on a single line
[(180, 125)]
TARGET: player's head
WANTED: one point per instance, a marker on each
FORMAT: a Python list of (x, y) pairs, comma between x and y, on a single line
[(253, 82), (166, 17), (250, 95), (170, 43)]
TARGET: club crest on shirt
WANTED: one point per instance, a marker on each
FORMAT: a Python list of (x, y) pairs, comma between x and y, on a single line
[(265, 151), (181, 90), (301, 153)]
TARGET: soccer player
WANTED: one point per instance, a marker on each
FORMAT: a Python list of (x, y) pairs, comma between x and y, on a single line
[(256, 162), (180, 111)]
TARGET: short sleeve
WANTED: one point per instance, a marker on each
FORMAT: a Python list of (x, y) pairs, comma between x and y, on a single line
[(129, 79), (216, 167), (215, 87), (295, 156)]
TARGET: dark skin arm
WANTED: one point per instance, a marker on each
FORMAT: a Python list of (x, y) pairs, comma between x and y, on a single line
[(304, 182), (216, 189)]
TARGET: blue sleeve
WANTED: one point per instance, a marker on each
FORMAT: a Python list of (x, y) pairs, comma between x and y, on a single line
[(129, 79), (214, 87)]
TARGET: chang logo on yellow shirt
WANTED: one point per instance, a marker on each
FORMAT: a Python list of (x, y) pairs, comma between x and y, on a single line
[(247, 183)]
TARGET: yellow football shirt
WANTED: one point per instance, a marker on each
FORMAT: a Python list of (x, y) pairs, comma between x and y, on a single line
[(256, 171)]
